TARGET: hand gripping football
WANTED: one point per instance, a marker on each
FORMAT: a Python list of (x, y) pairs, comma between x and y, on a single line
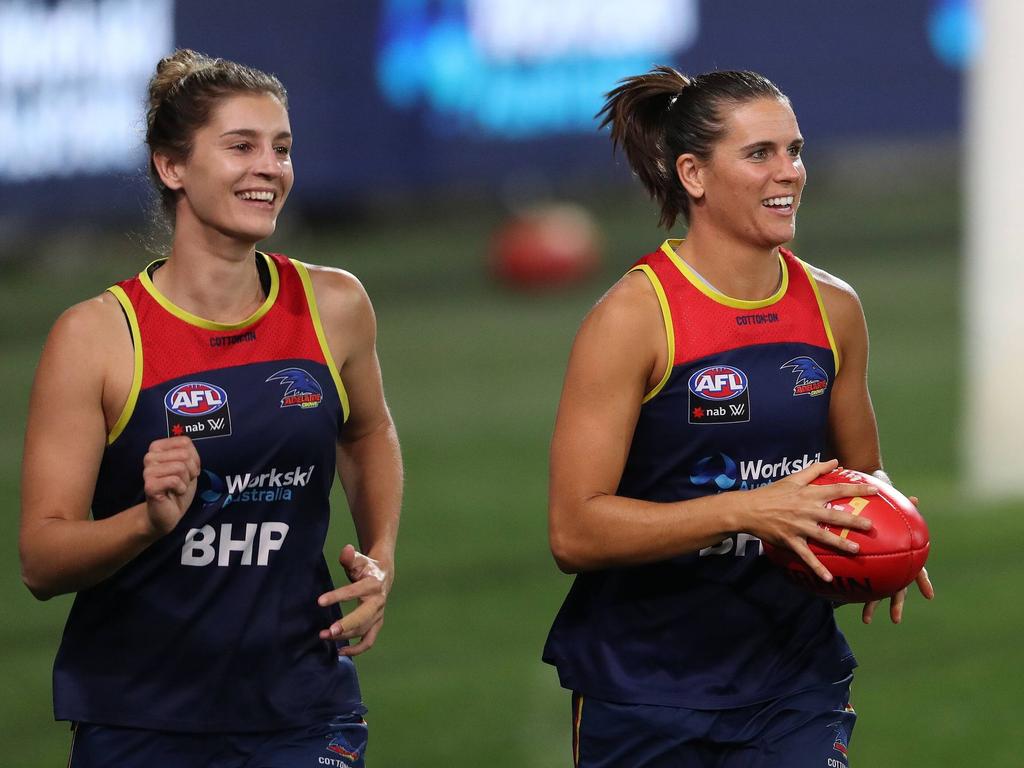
[(891, 553)]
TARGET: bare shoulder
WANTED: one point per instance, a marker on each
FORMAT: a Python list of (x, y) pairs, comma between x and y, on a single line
[(629, 306), (623, 337), (89, 349), (93, 326), (345, 311), (338, 291), (840, 299)]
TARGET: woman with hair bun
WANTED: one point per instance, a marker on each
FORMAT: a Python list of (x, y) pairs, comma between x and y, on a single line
[(184, 431), (681, 645)]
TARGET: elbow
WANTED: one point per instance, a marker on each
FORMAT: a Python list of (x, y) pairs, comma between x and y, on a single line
[(35, 578), (564, 558), (38, 587), (566, 546)]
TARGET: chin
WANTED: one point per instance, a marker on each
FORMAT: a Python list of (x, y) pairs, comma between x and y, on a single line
[(781, 237), (253, 233)]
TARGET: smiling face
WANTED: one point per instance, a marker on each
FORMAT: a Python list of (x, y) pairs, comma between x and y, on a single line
[(749, 189), (239, 172)]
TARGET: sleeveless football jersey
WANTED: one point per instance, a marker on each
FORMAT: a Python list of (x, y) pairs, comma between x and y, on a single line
[(215, 626), (744, 401)]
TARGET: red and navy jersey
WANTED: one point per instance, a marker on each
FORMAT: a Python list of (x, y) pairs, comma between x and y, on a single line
[(743, 401), (215, 626)]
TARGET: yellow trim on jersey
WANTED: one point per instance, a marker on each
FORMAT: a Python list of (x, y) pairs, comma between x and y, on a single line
[(669, 246), (314, 313), (666, 316), (824, 315), (133, 393), (210, 325), (71, 751), (576, 731)]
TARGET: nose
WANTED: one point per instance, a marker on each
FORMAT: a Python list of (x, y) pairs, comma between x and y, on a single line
[(790, 169), (269, 164)]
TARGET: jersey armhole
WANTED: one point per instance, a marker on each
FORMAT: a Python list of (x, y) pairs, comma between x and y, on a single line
[(666, 316), (824, 315), (133, 394), (314, 314)]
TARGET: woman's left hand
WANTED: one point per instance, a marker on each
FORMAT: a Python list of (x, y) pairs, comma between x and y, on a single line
[(370, 584), (924, 584)]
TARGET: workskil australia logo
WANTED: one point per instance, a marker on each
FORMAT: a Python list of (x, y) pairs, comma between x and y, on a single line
[(300, 388), (198, 410), (718, 470), (722, 472), (718, 394), (217, 492)]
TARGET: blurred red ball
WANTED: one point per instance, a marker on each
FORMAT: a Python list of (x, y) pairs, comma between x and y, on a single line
[(891, 553), (550, 246)]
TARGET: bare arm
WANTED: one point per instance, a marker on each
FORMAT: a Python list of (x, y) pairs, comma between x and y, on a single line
[(75, 389), (852, 428), (619, 352), (852, 425), (369, 460)]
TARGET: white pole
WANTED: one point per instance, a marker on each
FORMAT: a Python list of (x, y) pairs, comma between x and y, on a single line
[(994, 268)]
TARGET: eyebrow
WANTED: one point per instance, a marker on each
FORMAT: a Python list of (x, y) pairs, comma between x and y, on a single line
[(250, 133), (769, 144)]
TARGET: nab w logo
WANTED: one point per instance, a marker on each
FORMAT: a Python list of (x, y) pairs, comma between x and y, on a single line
[(719, 394), (191, 407)]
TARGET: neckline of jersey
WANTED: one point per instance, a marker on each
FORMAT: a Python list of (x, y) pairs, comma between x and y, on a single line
[(201, 322), (702, 285)]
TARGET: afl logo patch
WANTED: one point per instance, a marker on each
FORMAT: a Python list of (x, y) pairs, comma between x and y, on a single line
[(196, 398), (720, 382), (719, 394), (196, 409)]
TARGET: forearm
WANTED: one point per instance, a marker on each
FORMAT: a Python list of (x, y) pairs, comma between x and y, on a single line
[(606, 531), (371, 471), (60, 556)]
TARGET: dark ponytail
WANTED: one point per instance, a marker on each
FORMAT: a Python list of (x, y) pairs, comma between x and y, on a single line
[(658, 116)]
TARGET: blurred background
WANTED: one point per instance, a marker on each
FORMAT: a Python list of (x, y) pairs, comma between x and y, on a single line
[(446, 153)]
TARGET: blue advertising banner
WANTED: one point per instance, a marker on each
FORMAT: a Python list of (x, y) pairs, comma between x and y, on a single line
[(427, 96)]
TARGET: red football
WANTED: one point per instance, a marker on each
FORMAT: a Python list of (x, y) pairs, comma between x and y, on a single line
[(547, 247), (891, 553)]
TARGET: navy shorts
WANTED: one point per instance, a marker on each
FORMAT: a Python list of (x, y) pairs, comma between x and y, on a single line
[(339, 743), (808, 729)]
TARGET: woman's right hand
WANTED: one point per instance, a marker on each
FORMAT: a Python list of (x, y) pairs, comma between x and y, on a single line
[(170, 473), (791, 512)]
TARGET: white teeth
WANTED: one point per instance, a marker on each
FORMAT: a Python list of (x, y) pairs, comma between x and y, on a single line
[(778, 201), (266, 197)]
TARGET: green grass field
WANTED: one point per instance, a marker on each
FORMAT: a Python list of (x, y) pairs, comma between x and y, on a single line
[(473, 373)]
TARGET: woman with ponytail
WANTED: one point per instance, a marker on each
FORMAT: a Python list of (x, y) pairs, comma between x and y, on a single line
[(184, 432), (683, 440)]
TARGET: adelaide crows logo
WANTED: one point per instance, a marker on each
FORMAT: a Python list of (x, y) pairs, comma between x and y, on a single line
[(301, 389), (811, 378), (841, 740), (336, 747)]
